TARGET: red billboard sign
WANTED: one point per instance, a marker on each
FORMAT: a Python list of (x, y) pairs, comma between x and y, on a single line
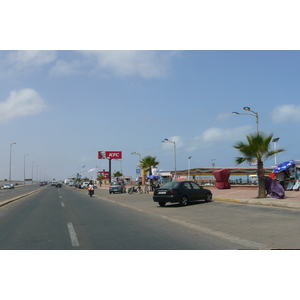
[(105, 174), (109, 154)]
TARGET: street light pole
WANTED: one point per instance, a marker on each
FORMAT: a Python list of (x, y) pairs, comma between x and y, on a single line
[(169, 141), (32, 173), (10, 162), (275, 140), (255, 114), (24, 167), (189, 158), (135, 153)]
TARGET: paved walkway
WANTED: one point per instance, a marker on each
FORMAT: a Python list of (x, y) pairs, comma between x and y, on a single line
[(249, 196)]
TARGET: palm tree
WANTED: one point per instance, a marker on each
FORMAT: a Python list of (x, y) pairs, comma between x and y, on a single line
[(258, 148), (148, 162), (117, 175)]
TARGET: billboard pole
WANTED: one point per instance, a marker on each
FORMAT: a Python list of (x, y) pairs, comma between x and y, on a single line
[(109, 169)]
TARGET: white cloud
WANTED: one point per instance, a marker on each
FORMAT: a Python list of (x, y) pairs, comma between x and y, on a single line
[(147, 64), (286, 113), (217, 135), (21, 103), (223, 116), (178, 141), (65, 68), (25, 58)]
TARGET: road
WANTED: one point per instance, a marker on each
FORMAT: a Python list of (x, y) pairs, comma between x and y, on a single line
[(67, 218)]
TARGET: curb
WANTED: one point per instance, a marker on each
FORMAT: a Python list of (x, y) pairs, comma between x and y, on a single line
[(19, 197)]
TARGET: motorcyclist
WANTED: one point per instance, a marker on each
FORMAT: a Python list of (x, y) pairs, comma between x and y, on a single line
[(91, 188)]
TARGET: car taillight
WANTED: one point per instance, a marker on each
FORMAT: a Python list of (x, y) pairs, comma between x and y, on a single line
[(171, 192), (121, 185), (110, 187)]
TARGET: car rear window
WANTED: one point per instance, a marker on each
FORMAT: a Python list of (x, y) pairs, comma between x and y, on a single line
[(172, 184)]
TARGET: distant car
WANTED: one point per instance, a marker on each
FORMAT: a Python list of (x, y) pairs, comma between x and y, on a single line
[(53, 183), (58, 185), (85, 184), (78, 184), (71, 183), (117, 187), (42, 183), (7, 186), (181, 192)]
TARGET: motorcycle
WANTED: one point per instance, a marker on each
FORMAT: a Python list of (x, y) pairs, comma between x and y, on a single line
[(133, 190), (90, 192)]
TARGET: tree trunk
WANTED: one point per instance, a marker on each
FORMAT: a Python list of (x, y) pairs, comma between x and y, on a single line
[(261, 180)]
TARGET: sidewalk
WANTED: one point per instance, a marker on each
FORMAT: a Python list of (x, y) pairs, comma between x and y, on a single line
[(249, 196)]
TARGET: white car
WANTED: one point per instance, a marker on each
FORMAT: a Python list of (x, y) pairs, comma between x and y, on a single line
[(8, 186), (85, 185)]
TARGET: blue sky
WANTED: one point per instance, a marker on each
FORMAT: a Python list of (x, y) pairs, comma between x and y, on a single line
[(62, 107)]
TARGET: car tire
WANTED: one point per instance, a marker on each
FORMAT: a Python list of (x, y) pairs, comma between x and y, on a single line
[(141, 191), (162, 204), (110, 192), (184, 201), (208, 198)]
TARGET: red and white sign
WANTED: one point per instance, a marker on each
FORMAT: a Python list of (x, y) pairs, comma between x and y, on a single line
[(109, 154), (103, 173)]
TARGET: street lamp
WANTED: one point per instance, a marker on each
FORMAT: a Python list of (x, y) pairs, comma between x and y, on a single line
[(275, 140), (37, 179), (135, 153), (169, 141), (32, 173), (10, 162), (189, 158), (213, 162), (120, 160), (253, 113), (24, 167)]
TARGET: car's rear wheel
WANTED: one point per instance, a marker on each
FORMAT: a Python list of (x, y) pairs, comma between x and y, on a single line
[(208, 198), (184, 201), (162, 204), (141, 191)]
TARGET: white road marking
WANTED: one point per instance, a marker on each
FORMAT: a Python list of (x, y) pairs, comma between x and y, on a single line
[(62, 204), (73, 236)]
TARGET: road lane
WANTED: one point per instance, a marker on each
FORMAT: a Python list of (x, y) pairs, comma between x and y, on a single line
[(35, 222), (41, 222), (257, 227)]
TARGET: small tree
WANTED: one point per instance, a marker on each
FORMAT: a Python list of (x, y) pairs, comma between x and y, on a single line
[(148, 162), (100, 179), (117, 175), (258, 148)]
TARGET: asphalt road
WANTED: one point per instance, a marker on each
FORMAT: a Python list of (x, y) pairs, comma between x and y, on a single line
[(6, 194), (68, 218), (65, 218)]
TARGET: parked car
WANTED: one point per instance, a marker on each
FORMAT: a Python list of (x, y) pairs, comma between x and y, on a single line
[(85, 184), (117, 187), (78, 184), (181, 192)]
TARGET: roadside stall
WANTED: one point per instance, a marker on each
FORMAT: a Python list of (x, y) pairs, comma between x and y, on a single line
[(288, 174)]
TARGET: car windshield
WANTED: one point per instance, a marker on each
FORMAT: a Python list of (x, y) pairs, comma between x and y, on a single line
[(172, 184)]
